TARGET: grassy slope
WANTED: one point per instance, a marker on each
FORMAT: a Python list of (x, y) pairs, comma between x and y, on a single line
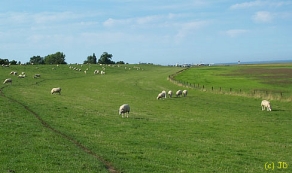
[(202, 132)]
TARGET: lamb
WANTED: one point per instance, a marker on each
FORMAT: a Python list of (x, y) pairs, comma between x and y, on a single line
[(21, 76), (102, 72), (185, 93), (9, 80), (161, 95), (169, 93), (56, 90), (178, 93), (125, 108), (266, 104)]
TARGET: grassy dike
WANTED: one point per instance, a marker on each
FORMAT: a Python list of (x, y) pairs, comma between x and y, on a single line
[(81, 131)]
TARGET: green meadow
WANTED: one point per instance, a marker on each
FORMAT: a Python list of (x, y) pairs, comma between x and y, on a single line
[(270, 81), (80, 129)]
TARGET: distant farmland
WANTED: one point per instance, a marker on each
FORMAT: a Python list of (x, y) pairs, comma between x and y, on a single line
[(80, 129), (267, 81)]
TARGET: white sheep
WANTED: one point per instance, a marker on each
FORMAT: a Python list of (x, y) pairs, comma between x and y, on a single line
[(21, 76), (160, 95), (13, 73), (102, 72), (169, 93), (37, 76), (164, 93), (96, 72), (266, 104), (125, 108), (9, 80), (185, 93), (56, 90), (178, 93)]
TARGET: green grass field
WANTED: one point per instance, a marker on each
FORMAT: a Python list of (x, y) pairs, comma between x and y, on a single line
[(81, 131), (272, 81)]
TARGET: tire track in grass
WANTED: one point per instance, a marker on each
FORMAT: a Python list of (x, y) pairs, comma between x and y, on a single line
[(107, 164)]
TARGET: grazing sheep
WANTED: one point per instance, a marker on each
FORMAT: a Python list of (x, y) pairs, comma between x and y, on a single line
[(164, 93), (13, 73), (9, 80), (96, 72), (266, 104), (160, 95), (185, 93), (169, 93), (37, 76), (102, 72), (178, 93), (56, 90), (21, 76), (125, 108)]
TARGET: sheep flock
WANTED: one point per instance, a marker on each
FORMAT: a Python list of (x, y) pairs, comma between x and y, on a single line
[(124, 109), (178, 93)]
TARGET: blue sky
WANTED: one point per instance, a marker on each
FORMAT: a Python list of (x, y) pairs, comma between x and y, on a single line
[(160, 32)]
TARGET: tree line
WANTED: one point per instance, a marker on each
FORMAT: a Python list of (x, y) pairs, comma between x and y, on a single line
[(59, 58), (105, 58)]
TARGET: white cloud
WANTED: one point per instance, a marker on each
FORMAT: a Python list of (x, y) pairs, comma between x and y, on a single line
[(247, 4), (182, 5), (116, 22), (263, 17), (188, 28), (235, 32), (152, 19), (259, 3)]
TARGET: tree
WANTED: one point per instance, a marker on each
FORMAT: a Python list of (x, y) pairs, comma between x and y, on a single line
[(4, 61), (120, 62), (105, 58), (90, 59), (36, 60), (57, 58), (13, 62)]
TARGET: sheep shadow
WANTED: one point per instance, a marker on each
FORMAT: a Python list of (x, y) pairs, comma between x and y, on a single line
[(277, 110), (274, 110)]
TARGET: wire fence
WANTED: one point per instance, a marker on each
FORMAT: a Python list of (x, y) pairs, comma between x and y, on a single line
[(257, 93)]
